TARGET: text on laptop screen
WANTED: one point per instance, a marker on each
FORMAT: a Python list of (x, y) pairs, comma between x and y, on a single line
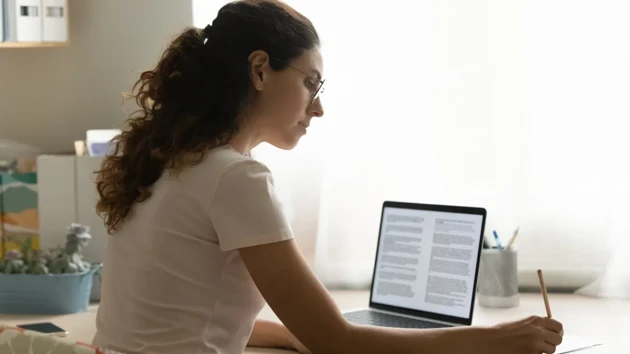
[(427, 260)]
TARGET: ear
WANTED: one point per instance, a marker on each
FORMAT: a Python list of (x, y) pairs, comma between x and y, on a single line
[(258, 68)]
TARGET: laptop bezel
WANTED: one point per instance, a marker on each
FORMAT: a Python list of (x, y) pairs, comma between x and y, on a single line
[(430, 207)]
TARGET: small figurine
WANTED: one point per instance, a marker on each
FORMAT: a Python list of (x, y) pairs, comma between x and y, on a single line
[(71, 261)]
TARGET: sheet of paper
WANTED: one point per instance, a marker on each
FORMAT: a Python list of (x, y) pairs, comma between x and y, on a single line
[(572, 344)]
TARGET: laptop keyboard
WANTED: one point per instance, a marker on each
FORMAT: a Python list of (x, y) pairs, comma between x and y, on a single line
[(374, 318)]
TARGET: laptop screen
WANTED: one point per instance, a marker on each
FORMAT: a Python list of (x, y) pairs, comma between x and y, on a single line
[(427, 260)]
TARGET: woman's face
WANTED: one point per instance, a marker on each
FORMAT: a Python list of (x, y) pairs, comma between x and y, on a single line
[(284, 104)]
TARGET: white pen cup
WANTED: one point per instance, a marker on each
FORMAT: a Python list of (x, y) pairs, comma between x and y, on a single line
[(498, 278)]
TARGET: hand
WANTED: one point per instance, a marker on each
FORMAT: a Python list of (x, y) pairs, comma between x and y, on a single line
[(532, 335)]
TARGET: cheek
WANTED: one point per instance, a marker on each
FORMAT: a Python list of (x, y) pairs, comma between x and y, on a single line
[(293, 105), (294, 91), (282, 114), (285, 104), (290, 113)]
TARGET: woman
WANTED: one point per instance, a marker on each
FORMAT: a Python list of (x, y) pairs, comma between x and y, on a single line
[(199, 240)]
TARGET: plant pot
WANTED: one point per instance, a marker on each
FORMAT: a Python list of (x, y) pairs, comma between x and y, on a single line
[(46, 294)]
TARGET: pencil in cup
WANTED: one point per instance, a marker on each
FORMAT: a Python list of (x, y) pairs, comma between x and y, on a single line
[(511, 243)]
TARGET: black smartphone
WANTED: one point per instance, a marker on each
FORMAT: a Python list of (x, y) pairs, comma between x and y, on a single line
[(44, 327)]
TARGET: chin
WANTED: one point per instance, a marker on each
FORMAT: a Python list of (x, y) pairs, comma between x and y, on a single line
[(286, 143)]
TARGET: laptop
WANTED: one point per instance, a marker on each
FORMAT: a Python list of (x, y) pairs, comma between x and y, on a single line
[(426, 268)]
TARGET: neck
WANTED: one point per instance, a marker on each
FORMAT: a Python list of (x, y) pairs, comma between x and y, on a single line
[(246, 140)]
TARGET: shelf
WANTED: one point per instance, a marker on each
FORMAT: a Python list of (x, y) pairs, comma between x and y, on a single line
[(33, 44)]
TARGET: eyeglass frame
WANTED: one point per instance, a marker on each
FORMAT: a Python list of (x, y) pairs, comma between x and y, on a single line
[(320, 88)]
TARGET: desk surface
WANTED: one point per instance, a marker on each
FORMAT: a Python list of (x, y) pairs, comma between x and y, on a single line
[(603, 320)]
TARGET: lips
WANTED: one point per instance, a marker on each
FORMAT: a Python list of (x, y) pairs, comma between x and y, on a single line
[(305, 125)]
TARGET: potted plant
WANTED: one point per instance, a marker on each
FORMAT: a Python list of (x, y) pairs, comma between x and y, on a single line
[(53, 281)]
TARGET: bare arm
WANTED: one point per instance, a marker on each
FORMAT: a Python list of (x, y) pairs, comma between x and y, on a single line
[(304, 305), (269, 334)]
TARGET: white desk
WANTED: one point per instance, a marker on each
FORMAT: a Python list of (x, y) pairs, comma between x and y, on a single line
[(605, 320)]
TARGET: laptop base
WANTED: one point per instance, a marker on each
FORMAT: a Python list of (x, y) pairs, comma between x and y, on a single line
[(369, 317)]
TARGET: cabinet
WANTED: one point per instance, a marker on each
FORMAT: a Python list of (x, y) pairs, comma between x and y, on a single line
[(67, 193)]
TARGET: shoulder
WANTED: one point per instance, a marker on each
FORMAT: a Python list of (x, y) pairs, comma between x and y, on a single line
[(248, 170), (236, 172), (247, 178), (226, 163), (245, 209)]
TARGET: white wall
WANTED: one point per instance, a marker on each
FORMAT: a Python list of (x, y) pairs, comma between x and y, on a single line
[(49, 97), (516, 106)]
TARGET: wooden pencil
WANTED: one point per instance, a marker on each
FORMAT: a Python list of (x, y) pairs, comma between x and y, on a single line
[(543, 288), (513, 238)]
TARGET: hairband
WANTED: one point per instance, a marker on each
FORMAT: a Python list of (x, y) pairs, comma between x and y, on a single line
[(206, 31)]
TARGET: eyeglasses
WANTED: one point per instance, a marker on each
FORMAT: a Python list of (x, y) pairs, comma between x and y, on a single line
[(320, 88)]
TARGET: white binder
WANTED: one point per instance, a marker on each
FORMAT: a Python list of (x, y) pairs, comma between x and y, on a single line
[(55, 24), (1, 20), (23, 20)]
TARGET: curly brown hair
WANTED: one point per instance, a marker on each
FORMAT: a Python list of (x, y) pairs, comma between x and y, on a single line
[(190, 101)]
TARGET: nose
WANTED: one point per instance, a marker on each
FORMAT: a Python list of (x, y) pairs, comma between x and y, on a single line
[(317, 109)]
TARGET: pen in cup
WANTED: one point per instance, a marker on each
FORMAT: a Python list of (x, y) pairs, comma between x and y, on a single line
[(497, 240)]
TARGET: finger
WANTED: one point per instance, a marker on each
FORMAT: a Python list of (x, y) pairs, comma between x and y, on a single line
[(553, 338), (547, 348), (553, 325), (538, 320), (524, 320)]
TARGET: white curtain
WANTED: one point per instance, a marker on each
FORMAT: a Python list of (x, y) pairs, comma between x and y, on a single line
[(520, 107)]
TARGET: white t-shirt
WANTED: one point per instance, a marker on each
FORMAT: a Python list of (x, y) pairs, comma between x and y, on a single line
[(173, 280)]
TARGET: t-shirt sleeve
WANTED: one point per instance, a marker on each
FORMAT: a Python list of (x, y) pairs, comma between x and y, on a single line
[(246, 210)]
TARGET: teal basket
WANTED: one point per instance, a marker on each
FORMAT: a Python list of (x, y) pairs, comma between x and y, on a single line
[(46, 294)]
